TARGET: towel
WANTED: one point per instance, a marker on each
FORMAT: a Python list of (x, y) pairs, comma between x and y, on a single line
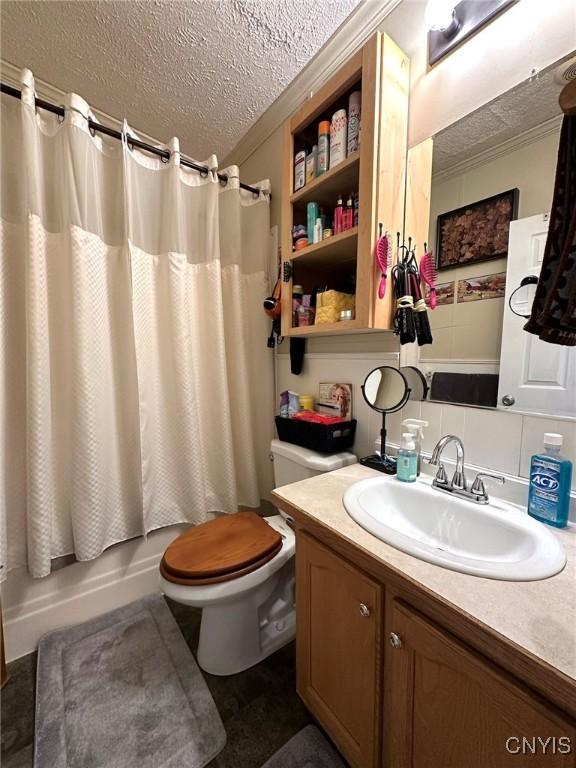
[(553, 316)]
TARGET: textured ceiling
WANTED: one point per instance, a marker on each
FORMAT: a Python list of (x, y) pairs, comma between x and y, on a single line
[(202, 70), (526, 106)]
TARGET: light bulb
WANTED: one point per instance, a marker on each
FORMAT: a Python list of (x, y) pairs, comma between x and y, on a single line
[(439, 14)]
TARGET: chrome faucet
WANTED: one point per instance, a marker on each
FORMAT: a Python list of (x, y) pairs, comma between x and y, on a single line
[(458, 485)]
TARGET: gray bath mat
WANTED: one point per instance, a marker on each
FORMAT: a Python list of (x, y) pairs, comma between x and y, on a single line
[(123, 690), (308, 749)]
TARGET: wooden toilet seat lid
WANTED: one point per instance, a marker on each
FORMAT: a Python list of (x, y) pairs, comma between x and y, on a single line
[(221, 547)]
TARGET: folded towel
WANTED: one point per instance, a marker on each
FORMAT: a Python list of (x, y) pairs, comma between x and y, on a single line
[(553, 316)]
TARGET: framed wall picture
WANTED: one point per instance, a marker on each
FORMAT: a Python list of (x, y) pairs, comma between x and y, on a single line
[(480, 288), (476, 232)]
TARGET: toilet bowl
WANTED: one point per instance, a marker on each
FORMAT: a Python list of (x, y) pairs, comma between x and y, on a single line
[(240, 570)]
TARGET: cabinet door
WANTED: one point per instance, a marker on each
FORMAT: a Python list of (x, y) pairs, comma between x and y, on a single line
[(339, 625), (449, 707)]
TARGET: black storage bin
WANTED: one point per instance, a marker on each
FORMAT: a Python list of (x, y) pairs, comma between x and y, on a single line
[(323, 438)]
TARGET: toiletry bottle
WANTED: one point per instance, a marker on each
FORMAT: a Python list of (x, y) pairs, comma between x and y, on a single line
[(297, 292), (348, 214), (344, 225), (310, 165), (306, 402), (550, 480), (323, 146), (299, 170), (406, 467), (312, 213), (338, 216), (306, 312), (338, 137), (416, 429), (356, 210), (318, 230), (354, 122)]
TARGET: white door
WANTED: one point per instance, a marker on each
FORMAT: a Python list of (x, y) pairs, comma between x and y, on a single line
[(534, 376)]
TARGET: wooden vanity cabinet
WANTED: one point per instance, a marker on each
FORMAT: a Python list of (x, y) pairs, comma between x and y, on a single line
[(447, 706), (339, 639), (394, 689)]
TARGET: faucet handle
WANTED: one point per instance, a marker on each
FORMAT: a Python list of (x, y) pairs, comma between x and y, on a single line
[(459, 480), (478, 487), (441, 476)]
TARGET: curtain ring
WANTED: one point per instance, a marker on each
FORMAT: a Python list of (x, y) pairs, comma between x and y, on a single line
[(165, 159), (204, 172), (91, 129), (61, 118), (223, 181)]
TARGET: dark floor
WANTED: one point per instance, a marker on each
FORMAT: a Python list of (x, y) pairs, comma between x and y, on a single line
[(259, 707)]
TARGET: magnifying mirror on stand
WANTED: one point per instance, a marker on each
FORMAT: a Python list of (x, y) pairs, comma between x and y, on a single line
[(386, 390)]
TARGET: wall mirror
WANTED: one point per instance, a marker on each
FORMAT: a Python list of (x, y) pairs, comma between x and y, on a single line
[(492, 187)]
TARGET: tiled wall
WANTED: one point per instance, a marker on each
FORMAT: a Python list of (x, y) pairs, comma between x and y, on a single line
[(494, 440)]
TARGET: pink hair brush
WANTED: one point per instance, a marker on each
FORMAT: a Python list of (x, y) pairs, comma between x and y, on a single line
[(429, 275), (383, 259)]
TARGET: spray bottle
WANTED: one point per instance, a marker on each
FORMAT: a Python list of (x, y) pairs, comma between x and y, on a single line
[(416, 428)]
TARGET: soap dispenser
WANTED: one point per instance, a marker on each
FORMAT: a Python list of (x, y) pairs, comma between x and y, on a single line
[(406, 468), (416, 428)]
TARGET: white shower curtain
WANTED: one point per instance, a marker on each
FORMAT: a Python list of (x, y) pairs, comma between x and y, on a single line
[(135, 387)]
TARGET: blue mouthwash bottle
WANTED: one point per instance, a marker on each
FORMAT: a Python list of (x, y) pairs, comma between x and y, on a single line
[(407, 465), (550, 479)]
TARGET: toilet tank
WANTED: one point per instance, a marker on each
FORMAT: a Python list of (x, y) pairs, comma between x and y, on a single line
[(293, 463)]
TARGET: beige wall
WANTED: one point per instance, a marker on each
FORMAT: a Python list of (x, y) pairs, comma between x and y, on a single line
[(266, 163), (531, 169)]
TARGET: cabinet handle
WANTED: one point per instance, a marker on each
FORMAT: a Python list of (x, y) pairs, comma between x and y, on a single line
[(364, 610), (395, 640)]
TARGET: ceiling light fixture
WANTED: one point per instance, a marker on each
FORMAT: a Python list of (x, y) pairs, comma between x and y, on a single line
[(450, 23), (440, 16)]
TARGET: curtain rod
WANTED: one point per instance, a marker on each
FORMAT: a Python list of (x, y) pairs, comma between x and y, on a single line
[(132, 142)]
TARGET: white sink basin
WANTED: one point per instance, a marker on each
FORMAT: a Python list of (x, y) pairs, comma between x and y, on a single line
[(496, 540)]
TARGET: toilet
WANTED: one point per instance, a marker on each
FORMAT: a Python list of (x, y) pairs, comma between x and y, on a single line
[(240, 570)]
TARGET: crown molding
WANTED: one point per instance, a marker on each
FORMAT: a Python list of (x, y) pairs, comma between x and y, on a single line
[(366, 19), (11, 75), (493, 153)]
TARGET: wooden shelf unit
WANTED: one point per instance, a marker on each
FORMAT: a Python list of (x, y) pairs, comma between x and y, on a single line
[(340, 247), (377, 172), (325, 189)]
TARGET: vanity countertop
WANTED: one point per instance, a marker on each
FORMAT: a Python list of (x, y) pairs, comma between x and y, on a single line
[(537, 616)]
